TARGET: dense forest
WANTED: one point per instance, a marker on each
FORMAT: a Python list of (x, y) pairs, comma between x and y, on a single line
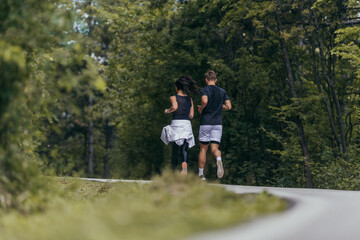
[(84, 83)]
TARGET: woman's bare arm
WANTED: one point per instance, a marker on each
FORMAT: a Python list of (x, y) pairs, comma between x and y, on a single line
[(174, 105)]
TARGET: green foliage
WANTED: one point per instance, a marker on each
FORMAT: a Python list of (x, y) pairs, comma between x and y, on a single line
[(141, 49), (22, 44), (340, 174), (171, 207), (348, 46), (97, 74)]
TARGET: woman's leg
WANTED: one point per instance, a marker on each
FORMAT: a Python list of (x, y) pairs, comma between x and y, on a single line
[(184, 153), (174, 155)]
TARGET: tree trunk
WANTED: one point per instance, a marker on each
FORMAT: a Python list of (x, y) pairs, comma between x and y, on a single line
[(262, 146), (331, 83), (108, 137), (326, 102), (91, 142), (85, 147), (253, 178), (298, 122)]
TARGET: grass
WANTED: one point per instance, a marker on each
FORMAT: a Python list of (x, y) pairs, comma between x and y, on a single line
[(171, 207)]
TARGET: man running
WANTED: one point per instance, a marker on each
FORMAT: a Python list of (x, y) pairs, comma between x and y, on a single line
[(213, 100)]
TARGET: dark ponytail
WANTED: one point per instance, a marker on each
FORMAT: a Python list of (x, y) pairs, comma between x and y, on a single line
[(187, 84)]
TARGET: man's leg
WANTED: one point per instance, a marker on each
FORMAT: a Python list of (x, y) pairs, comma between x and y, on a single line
[(204, 139), (215, 150), (202, 158), (217, 154), (215, 138)]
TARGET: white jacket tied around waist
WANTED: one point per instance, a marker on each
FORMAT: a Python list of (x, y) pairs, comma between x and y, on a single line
[(177, 132)]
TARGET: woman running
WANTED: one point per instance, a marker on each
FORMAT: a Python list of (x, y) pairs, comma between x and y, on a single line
[(180, 133)]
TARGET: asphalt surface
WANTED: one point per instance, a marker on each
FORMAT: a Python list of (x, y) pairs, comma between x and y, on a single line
[(316, 214)]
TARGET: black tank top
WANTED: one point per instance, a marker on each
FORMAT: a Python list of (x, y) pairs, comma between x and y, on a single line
[(183, 111)]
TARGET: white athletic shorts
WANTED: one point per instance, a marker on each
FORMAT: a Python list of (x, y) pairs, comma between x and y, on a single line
[(210, 133)]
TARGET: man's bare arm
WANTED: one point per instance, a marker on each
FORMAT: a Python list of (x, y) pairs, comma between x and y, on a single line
[(191, 114), (227, 105), (204, 102)]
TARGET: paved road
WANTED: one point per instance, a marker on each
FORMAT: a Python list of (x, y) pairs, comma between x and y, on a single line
[(316, 215)]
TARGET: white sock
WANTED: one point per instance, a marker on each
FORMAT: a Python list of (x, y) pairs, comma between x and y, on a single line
[(218, 159), (201, 171)]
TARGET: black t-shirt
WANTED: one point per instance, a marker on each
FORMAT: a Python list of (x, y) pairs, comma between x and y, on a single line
[(212, 113), (183, 111)]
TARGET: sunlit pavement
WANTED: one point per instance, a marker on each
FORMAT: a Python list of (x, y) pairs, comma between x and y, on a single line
[(315, 214), (115, 180)]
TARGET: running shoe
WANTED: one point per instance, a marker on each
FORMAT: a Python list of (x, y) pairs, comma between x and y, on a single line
[(184, 168), (220, 169), (202, 177)]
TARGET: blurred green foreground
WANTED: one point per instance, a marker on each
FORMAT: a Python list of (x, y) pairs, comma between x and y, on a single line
[(171, 207)]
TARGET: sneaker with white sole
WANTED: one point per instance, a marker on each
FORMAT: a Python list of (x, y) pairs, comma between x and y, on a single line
[(220, 169), (202, 177), (184, 168)]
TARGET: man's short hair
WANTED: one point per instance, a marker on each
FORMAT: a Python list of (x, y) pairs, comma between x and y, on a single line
[(210, 75)]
